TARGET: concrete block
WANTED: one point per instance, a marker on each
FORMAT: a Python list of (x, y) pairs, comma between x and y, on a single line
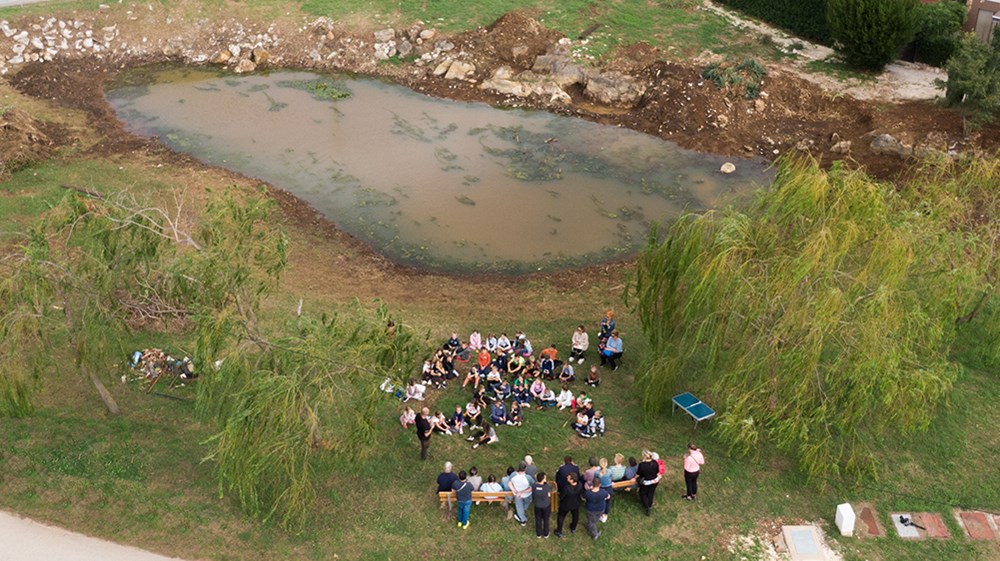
[(845, 519), (905, 531)]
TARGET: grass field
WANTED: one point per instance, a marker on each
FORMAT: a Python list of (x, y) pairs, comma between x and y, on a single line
[(140, 479)]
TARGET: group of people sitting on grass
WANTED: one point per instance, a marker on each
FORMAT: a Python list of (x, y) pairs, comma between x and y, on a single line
[(592, 488), (508, 370)]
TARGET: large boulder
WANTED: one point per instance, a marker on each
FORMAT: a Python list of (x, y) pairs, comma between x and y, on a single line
[(888, 145), (563, 71), (614, 88), (460, 70)]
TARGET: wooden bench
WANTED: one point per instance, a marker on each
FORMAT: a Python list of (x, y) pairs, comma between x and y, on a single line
[(448, 497)]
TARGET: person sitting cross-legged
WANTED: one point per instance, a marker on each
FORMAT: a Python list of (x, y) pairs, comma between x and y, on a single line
[(521, 391), (498, 413), (537, 389), (514, 417), (548, 398), (485, 435), (567, 375), (565, 398)]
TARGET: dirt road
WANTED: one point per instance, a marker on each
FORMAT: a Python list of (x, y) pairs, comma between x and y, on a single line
[(27, 540)]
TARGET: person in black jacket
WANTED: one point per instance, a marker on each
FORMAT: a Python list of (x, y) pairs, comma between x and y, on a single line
[(648, 477), (424, 431), (564, 470), (569, 503)]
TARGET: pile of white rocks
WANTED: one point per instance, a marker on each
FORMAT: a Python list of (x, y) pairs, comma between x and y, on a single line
[(52, 38)]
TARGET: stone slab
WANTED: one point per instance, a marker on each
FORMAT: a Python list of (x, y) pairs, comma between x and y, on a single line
[(904, 531), (976, 525), (804, 543), (935, 525), (845, 519), (870, 526)]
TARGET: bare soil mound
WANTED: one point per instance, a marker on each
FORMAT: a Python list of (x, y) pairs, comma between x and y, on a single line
[(22, 141)]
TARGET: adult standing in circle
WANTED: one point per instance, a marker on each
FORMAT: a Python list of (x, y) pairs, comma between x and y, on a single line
[(541, 497), (424, 431), (569, 501), (693, 461), (648, 476)]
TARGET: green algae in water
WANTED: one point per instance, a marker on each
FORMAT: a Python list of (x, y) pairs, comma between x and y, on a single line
[(321, 89)]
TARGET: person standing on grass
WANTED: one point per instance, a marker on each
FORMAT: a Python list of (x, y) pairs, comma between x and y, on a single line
[(603, 477), (541, 497), (424, 431), (569, 501), (562, 474), (693, 461), (520, 486), (596, 498), (463, 496), (648, 476)]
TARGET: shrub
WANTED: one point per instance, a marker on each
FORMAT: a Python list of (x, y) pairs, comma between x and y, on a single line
[(939, 27), (870, 33), (974, 80), (748, 74), (806, 18)]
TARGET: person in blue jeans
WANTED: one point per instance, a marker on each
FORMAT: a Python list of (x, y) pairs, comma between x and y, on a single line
[(595, 499), (520, 485), (463, 496)]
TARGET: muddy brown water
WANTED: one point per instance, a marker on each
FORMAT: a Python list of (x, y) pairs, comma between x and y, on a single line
[(458, 187)]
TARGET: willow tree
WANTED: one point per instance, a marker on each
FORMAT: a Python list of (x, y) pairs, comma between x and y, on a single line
[(817, 320), (284, 395)]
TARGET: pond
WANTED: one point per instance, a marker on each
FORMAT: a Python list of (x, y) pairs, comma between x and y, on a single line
[(451, 186)]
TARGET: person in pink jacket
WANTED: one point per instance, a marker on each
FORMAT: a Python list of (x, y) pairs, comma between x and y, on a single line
[(693, 461)]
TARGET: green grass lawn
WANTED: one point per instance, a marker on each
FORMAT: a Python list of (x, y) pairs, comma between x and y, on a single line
[(140, 478)]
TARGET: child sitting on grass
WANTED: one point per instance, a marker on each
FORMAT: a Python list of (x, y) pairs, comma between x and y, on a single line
[(409, 417), (514, 417), (593, 379)]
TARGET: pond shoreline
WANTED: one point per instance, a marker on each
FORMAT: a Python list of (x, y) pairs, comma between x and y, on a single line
[(678, 105)]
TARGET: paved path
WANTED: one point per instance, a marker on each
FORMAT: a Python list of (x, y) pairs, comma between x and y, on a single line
[(26, 540), (901, 81), (10, 3)]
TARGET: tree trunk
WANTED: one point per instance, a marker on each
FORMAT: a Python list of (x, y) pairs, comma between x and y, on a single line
[(106, 398), (975, 311)]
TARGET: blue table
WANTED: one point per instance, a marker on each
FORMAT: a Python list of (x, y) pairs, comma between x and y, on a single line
[(692, 406)]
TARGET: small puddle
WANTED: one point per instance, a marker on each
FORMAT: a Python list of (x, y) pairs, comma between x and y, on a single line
[(458, 187)]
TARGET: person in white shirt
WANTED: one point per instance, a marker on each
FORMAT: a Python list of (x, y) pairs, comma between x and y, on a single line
[(503, 344), (565, 398), (580, 344), (414, 391)]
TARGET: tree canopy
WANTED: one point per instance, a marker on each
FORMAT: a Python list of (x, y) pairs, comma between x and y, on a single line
[(284, 394), (819, 319)]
